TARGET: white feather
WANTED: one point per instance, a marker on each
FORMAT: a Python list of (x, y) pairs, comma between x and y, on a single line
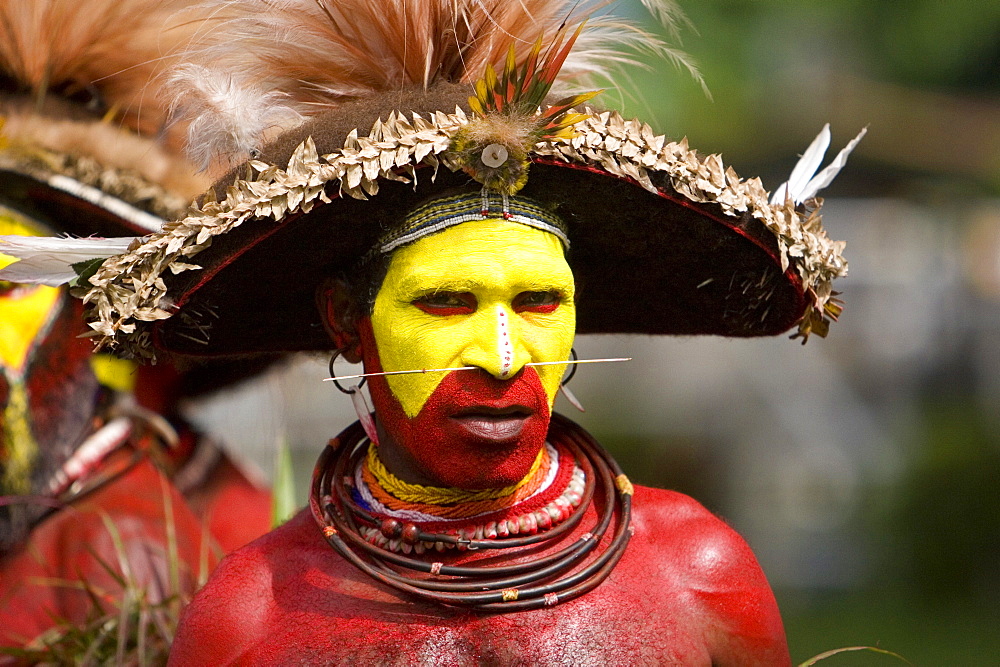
[(141, 219), (825, 177), (46, 260), (808, 164), (804, 183), (227, 118)]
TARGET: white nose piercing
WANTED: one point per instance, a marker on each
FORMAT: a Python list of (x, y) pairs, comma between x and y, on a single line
[(504, 347)]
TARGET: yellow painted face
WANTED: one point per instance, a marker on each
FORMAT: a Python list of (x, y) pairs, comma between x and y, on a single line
[(24, 309), (487, 293)]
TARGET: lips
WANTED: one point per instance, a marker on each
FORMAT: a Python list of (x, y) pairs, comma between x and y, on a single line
[(497, 425)]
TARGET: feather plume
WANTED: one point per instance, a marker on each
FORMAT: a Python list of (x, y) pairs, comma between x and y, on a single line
[(304, 56), (55, 261), (104, 53), (227, 117), (804, 183)]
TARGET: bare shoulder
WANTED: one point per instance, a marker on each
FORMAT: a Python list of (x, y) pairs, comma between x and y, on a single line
[(713, 568), (689, 533), (232, 612), (692, 543)]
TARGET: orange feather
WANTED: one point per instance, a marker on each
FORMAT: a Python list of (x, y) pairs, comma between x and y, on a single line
[(109, 48)]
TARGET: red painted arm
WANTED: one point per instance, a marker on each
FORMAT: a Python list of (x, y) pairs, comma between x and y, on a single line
[(727, 592)]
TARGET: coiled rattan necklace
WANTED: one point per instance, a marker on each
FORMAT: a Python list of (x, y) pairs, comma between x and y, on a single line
[(547, 580)]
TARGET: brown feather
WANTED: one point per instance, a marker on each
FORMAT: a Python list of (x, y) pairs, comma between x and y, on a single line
[(319, 53), (106, 49)]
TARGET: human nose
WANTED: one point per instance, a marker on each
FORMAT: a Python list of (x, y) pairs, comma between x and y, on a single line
[(496, 346)]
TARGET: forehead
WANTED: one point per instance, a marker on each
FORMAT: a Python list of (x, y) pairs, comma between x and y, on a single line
[(479, 253)]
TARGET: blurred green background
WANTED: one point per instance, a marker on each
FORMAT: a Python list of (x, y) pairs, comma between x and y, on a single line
[(924, 77), (864, 468)]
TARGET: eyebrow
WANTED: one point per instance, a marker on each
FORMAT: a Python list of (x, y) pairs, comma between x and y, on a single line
[(419, 285), (415, 285)]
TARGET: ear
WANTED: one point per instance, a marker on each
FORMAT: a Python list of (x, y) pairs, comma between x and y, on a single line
[(340, 316)]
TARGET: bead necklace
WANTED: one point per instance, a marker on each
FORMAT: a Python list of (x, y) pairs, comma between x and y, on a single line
[(433, 495), (537, 505), (554, 577)]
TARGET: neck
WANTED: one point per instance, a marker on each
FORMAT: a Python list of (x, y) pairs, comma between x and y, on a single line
[(527, 569), (546, 497)]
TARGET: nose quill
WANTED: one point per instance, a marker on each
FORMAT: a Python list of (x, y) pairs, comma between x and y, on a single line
[(472, 368)]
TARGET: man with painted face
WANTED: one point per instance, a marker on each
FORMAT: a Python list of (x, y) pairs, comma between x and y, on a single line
[(451, 301), (469, 453), (456, 247), (100, 477)]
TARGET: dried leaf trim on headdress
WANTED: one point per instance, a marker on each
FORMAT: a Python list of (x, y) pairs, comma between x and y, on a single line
[(128, 288)]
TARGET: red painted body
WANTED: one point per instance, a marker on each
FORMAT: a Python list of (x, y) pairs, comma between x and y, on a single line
[(39, 583), (69, 546), (40, 576), (688, 591), (235, 510)]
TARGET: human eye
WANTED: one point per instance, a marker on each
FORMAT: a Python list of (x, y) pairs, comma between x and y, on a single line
[(446, 303), (537, 301)]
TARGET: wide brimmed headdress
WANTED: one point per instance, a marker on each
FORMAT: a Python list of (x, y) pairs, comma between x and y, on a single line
[(342, 117)]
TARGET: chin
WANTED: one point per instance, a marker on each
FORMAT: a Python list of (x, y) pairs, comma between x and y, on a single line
[(471, 462)]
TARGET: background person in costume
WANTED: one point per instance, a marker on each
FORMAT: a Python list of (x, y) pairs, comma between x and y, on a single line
[(87, 439), (439, 260)]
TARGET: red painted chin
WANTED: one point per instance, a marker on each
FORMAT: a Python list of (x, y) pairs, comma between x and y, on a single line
[(474, 432)]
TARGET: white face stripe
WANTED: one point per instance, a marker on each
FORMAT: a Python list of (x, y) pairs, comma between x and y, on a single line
[(504, 346)]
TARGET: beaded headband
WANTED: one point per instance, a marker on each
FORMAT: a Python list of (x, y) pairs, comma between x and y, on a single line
[(439, 214)]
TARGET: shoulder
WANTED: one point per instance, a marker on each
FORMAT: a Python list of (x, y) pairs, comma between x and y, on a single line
[(691, 533), (715, 571), (232, 613), (692, 542)]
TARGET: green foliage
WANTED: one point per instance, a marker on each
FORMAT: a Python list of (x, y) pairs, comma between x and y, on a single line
[(129, 627), (923, 75), (945, 523), (925, 632), (84, 270), (137, 632), (283, 503)]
